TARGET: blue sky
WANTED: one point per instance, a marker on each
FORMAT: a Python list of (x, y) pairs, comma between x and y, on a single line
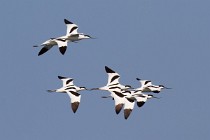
[(163, 41)]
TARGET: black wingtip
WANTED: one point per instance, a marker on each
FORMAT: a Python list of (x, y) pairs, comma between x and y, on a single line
[(63, 49), (127, 113), (140, 104), (74, 106), (118, 108), (108, 70), (138, 79), (61, 77), (67, 22), (42, 51)]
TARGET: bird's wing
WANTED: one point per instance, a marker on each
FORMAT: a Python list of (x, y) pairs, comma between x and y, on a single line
[(62, 44), (71, 27), (145, 83), (45, 49), (118, 99), (113, 77), (141, 99), (66, 81), (128, 107), (75, 100)]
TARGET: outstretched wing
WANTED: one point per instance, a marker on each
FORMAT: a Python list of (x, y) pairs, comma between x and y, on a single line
[(118, 99), (62, 44), (141, 99), (66, 81), (75, 100), (128, 107), (71, 27), (45, 49), (113, 77)]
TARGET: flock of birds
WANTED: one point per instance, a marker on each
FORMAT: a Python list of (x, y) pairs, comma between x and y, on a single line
[(123, 95)]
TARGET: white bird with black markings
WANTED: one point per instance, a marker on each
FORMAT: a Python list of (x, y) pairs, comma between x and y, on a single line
[(71, 36), (115, 88), (147, 86), (72, 90)]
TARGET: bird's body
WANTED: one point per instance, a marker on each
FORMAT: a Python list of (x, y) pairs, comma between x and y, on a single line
[(154, 88), (147, 86), (72, 90)]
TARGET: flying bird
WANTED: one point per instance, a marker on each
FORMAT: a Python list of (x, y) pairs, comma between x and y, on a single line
[(71, 36), (147, 86), (72, 90)]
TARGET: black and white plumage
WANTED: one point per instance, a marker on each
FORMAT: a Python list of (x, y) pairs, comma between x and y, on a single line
[(72, 32), (72, 35), (72, 90), (115, 88), (118, 98), (141, 98), (147, 86), (129, 102), (62, 45), (154, 88)]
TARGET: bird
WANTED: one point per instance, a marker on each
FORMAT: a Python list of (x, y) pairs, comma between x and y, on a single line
[(62, 45), (147, 86), (115, 88), (72, 90), (72, 33), (71, 36)]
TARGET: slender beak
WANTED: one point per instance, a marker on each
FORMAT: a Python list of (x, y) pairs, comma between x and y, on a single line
[(167, 88), (93, 38), (35, 46), (156, 97), (94, 89), (105, 96), (88, 89)]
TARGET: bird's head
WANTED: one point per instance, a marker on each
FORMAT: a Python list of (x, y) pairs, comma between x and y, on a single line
[(83, 88), (128, 87), (88, 36), (163, 87), (151, 96)]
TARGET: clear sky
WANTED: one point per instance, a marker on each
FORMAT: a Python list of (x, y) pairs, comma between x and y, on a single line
[(166, 41)]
